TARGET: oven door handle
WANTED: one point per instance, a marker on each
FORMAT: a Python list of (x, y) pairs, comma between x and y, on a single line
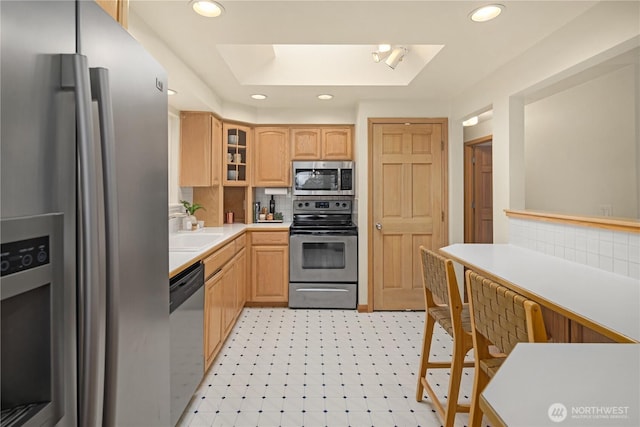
[(321, 290), (331, 233)]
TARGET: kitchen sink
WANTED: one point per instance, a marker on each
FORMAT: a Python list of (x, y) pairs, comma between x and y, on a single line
[(192, 242)]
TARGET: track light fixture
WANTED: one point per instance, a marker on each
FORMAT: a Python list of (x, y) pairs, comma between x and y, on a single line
[(391, 57), (396, 56)]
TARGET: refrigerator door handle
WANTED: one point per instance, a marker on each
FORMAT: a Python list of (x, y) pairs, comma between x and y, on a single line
[(101, 92), (91, 270)]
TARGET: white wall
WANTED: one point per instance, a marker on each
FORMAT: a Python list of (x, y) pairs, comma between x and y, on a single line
[(483, 128), (580, 148), (381, 109), (603, 32)]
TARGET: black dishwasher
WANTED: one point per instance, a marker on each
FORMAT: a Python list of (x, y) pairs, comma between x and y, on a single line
[(186, 318)]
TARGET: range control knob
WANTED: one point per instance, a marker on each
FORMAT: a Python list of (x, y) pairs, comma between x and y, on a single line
[(27, 260), (306, 204), (344, 205), (300, 204), (337, 204)]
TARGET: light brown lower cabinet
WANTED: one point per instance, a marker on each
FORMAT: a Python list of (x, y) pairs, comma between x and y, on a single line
[(269, 267), (228, 297), (225, 294), (240, 266), (212, 318)]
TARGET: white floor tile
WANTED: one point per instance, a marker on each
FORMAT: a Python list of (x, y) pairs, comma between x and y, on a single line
[(282, 367)]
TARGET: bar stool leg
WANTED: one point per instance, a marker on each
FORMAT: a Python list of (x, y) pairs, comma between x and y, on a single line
[(454, 384), (424, 358)]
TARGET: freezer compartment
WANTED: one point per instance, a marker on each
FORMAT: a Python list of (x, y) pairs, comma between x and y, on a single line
[(323, 295)]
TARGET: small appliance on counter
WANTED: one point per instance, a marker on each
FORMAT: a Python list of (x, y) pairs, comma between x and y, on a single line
[(256, 211)]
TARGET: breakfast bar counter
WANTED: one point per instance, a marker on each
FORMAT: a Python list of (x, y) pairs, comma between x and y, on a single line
[(605, 302), (566, 384)]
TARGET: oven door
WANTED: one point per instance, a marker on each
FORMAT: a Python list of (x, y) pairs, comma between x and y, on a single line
[(323, 257)]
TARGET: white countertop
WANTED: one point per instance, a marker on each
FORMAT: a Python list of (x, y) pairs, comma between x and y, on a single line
[(580, 292), (592, 382), (180, 259)]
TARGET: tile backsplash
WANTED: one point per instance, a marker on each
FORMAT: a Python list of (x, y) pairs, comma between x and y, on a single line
[(284, 203), (614, 251)]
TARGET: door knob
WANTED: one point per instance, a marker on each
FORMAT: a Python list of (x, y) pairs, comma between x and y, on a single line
[(378, 226)]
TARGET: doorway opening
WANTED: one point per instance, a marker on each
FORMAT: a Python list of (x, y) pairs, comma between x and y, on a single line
[(478, 190)]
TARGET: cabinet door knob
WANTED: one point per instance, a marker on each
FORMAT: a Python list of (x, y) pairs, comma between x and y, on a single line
[(378, 226)]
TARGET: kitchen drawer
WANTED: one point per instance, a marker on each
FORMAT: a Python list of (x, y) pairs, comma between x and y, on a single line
[(269, 238), (218, 259), (241, 242)]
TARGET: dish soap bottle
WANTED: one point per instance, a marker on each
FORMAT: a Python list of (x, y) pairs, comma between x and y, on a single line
[(272, 205)]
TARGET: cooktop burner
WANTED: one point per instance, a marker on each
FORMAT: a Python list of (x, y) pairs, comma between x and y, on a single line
[(322, 214)]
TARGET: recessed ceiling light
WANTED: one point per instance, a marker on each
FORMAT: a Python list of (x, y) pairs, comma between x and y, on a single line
[(471, 121), (171, 92), (208, 8), (259, 96), (325, 97), (486, 13)]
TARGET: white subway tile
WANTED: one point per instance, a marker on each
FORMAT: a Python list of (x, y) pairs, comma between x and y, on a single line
[(621, 267), (606, 263), (580, 231), (558, 237), (549, 249), (558, 251), (570, 254), (569, 237), (621, 237), (621, 251), (593, 260), (634, 253), (634, 239), (581, 242), (606, 235), (593, 245), (634, 270), (606, 248), (581, 257)]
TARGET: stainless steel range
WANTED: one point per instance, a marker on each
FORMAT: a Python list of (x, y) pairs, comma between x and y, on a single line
[(323, 261)]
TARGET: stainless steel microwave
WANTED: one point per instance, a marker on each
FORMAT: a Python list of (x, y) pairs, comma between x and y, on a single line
[(323, 179)]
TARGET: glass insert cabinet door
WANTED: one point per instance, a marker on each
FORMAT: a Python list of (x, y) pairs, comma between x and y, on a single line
[(235, 155)]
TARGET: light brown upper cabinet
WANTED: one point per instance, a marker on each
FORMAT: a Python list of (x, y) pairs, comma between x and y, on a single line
[(118, 9), (236, 154), (326, 143), (271, 163), (305, 144), (336, 144), (200, 149)]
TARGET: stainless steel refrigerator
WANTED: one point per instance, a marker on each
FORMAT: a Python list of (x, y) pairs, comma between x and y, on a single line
[(84, 285)]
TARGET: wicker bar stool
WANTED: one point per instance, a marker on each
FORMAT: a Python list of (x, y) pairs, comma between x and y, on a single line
[(502, 318), (444, 306)]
